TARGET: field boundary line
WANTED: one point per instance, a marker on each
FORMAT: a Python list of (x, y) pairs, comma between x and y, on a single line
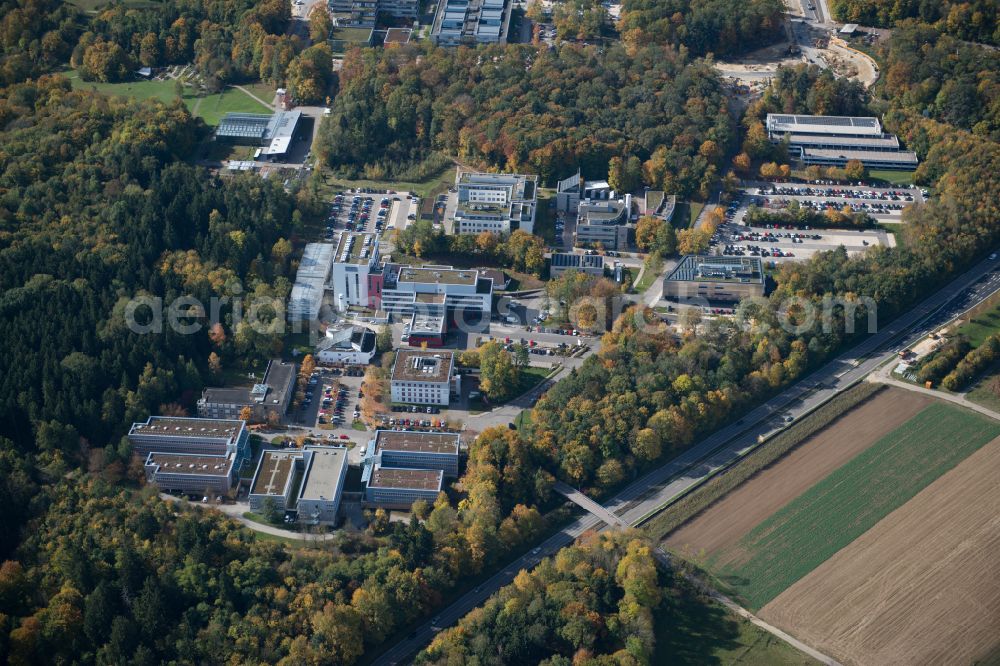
[(738, 457), (771, 629)]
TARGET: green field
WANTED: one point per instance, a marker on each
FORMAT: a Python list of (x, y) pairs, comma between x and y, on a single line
[(695, 631), (981, 326), (891, 177), (982, 393), (210, 108), (843, 506), (425, 189)]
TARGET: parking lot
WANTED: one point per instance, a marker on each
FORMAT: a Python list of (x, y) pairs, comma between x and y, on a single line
[(884, 204), (789, 244), (370, 211)]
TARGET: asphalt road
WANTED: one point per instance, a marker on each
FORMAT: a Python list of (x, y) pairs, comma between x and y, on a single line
[(634, 503)]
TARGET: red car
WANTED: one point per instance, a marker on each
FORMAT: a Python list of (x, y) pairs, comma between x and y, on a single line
[(344, 437)]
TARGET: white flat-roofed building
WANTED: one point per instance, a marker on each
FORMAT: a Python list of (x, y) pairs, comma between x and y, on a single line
[(592, 264), (176, 435), (191, 473), (325, 469), (310, 281), (423, 377), (275, 480), (415, 450), (309, 481), (604, 223), (274, 132), (355, 272), (835, 140), (398, 488), (347, 345), (495, 202), (435, 290), (471, 22)]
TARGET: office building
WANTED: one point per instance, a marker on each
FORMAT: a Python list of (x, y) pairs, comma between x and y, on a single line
[(274, 133), (346, 345), (423, 377), (355, 276), (310, 281), (496, 202), (266, 400), (604, 223), (834, 140), (186, 473), (571, 191), (415, 450), (436, 290), (195, 436), (367, 12), (715, 278), (592, 264), (425, 329), (397, 488), (471, 22), (309, 481)]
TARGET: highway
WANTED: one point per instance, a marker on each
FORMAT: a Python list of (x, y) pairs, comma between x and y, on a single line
[(636, 502)]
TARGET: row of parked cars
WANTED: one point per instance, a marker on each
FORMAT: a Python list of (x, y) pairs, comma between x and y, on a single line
[(844, 193), (414, 409)]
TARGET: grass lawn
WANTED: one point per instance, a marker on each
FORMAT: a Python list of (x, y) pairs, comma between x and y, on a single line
[(348, 34), (211, 108), (545, 216), (891, 176), (425, 189), (648, 277), (692, 630), (982, 394), (981, 326), (529, 379), (843, 506)]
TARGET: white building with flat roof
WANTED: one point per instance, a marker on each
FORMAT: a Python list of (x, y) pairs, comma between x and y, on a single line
[(310, 281), (495, 202), (399, 488), (346, 345), (176, 434), (309, 481), (355, 273), (191, 473), (560, 262), (471, 22), (423, 377), (415, 450), (435, 290), (835, 140)]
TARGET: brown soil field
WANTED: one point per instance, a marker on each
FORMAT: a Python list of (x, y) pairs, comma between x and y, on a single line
[(725, 522), (920, 587)]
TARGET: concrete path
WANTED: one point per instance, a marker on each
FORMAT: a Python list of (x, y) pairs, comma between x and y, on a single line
[(589, 505), (252, 96), (883, 376), (236, 511)]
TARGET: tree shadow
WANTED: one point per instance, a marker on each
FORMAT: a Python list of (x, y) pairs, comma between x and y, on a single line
[(691, 629)]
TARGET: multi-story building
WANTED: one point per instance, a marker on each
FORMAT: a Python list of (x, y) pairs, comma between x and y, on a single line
[(471, 22), (310, 281), (309, 481), (425, 329), (355, 273), (367, 12), (191, 473), (592, 264), (835, 140), (398, 488), (347, 345), (494, 202), (271, 396), (415, 450), (195, 436), (436, 290), (423, 377), (715, 278), (604, 223), (571, 191)]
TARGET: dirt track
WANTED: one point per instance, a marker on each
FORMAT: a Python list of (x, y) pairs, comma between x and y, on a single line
[(921, 587), (725, 522)]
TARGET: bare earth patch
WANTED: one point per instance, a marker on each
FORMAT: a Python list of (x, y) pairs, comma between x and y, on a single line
[(920, 587), (724, 523)]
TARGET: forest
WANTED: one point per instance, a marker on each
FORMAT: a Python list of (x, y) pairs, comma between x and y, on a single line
[(35, 36), (521, 109), (932, 73), (593, 600), (974, 20), (720, 27)]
